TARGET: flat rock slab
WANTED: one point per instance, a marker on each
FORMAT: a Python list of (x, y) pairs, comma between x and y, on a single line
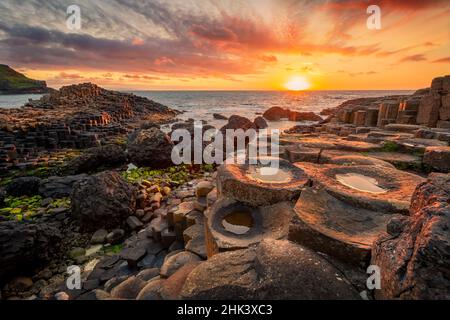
[(331, 226), (274, 269), (400, 160), (335, 143)]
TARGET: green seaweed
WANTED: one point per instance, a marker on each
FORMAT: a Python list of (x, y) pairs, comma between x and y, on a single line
[(389, 146), (114, 249), (28, 208), (20, 208), (176, 175)]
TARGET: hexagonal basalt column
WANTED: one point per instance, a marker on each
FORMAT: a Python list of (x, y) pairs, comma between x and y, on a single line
[(232, 225), (376, 188), (258, 185), (348, 207), (329, 225)]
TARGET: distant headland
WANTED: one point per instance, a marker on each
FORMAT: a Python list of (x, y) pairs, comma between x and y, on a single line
[(13, 82)]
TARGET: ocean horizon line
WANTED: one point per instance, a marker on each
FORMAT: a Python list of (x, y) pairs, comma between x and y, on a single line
[(259, 90)]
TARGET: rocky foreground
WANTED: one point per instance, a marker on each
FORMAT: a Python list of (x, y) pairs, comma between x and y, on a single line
[(360, 188)]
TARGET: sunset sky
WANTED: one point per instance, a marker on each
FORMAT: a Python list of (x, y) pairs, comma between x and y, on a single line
[(228, 44)]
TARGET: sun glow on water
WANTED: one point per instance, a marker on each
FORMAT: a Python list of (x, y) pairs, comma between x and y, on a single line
[(297, 84)]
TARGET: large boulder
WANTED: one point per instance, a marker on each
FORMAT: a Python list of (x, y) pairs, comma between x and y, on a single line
[(303, 116), (25, 186), (104, 200), (276, 269), (414, 258), (276, 114), (236, 122), (25, 246), (152, 148), (260, 123), (100, 157), (59, 187)]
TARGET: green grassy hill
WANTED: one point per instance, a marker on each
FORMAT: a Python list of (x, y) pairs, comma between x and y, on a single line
[(13, 82)]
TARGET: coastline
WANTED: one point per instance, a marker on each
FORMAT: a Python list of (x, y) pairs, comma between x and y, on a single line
[(138, 230)]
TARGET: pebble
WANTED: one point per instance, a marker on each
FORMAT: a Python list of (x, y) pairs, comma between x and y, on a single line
[(62, 296), (77, 252), (134, 223), (99, 236), (115, 236), (203, 188)]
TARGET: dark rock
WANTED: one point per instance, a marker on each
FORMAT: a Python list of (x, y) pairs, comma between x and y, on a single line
[(304, 116), (276, 114), (438, 158), (104, 200), (99, 236), (59, 187), (134, 223), (148, 274), (115, 236), (273, 270), (20, 284), (25, 186), (152, 148), (236, 122), (396, 225), (415, 263), (91, 284), (219, 116), (260, 123), (95, 295), (2, 197), (26, 246), (133, 256), (108, 156)]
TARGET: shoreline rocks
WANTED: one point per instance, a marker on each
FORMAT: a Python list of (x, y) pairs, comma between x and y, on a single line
[(152, 148), (104, 200), (415, 260), (273, 270)]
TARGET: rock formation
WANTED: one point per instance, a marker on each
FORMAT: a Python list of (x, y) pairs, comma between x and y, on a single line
[(273, 270), (77, 116), (414, 256), (152, 148), (105, 200)]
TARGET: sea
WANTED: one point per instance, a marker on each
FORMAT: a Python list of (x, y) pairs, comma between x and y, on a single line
[(201, 105)]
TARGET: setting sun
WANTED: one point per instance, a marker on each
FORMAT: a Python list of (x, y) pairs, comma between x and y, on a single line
[(297, 84)]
